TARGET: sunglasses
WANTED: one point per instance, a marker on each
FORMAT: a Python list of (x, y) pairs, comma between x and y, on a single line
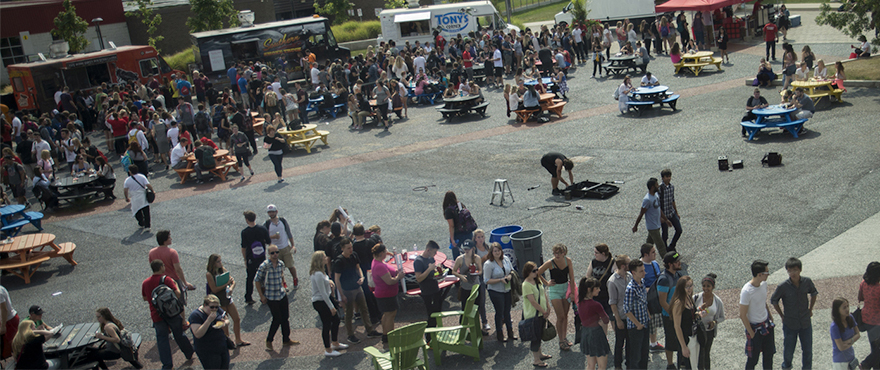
[(213, 307), (275, 252)]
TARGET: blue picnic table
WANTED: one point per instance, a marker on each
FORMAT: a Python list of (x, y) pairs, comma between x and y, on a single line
[(645, 97), (765, 120), (12, 226), (545, 80)]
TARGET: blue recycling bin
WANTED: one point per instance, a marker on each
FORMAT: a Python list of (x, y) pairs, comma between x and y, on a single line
[(502, 235)]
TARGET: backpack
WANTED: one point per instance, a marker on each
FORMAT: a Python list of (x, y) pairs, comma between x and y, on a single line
[(248, 121), (465, 223), (126, 161), (271, 99), (258, 251), (132, 138), (165, 301), (203, 123), (616, 94), (664, 31), (653, 297), (206, 159), (184, 90)]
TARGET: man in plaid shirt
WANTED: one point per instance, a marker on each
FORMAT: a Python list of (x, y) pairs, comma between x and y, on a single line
[(635, 307), (669, 209), (269, 282)]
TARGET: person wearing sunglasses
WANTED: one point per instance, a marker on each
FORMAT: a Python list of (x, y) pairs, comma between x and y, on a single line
[(207, 323), (269, 282)]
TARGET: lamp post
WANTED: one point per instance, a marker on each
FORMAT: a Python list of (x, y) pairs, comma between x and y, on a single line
[(97, 22)]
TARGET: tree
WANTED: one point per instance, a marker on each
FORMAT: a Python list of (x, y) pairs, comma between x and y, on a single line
[(211, 14), (71, 28), (152, 21), (395, 4), (855, 18), (579, 11), (335, 9)]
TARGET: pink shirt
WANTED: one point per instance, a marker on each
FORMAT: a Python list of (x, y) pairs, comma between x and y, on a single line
[(379, 269), (675, 58), (169, 257)]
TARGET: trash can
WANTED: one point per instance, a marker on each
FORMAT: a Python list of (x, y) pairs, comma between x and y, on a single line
[(502, 235), (527, 247)]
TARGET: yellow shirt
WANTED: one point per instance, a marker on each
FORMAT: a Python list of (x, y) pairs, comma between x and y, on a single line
[(529, 310)]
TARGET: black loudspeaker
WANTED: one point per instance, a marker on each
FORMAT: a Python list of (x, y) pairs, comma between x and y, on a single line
[(772, 159), (722, 163), (737, 164)]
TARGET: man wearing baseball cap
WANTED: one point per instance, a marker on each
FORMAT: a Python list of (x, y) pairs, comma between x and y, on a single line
[(279, 231), (35, 314)]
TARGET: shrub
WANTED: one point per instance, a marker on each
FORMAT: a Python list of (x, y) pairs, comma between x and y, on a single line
[(181, 59), (355, 31)]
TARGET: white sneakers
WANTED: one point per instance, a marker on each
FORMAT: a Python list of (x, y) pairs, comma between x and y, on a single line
[(333, 353), (340, 346)]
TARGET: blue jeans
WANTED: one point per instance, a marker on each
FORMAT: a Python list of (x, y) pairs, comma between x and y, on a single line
[(790, 338), (162, 344), (664, 230)]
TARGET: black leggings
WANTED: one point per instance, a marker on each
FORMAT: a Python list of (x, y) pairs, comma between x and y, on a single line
[(242, 157), (143, 217), (329, 323), (383, 111), (597, 64), (276, 161)]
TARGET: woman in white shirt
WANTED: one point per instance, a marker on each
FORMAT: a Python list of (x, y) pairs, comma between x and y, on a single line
[(821, 72), (864, 51), (321, 290), (399, 68), (622, 91)]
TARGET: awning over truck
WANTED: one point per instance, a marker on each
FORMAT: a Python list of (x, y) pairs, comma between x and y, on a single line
[(412, 17), (694, 5)]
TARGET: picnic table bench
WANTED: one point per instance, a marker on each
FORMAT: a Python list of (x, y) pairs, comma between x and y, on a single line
[(12, 226), (695, 62), (643, 98), (30, 254), (458, 106), (306, 137), (763, 121), (224, 163)]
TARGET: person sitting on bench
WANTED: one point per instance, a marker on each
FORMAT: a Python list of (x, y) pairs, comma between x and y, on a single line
[(649, 80), (43, 191), (532, 101), (803, 103), (553, 163)]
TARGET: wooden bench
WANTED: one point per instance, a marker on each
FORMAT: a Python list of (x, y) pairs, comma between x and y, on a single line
[(818, 94), (696, 68), (258, 127), (223, 169), (617, 70), (184, 173), (73, 197), (556, 108), (25, 269), (717, 62), (33, 218), (323, 135), (524, 114), (14, 227), (307, 143), (66, 251)]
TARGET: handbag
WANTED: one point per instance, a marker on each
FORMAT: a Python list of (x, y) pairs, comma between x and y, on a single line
[(549, 331), (857, 316), (653, 296), (853, 365), (151, 196)]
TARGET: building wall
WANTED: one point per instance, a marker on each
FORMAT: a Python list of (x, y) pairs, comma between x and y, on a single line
[(174, 27)]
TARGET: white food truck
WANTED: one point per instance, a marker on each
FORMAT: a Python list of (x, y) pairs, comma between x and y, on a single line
[(419, 24), (610, 10)]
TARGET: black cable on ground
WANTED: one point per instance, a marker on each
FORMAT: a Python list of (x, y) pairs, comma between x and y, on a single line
[(562, 204), (423, 188)]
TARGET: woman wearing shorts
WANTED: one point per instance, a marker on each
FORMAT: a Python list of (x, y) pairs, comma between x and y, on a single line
[(386, 281), (561, 283)]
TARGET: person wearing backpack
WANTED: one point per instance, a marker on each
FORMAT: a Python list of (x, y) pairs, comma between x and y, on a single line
[(666, 289), (254, 239), (279, 232), (159, 289), (239, 142), (245, 122), (204, 161), (186, 116), (271, 99), (461, 223), (652, 273), (116, 339), (203, 123)]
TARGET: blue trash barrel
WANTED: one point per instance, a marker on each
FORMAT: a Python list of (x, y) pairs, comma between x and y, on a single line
[(502, 235)]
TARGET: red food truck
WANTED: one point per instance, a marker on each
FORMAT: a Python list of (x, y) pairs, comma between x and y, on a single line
[(34, 84)]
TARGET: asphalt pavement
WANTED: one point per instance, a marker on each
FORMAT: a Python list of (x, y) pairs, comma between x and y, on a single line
[(826, 189)]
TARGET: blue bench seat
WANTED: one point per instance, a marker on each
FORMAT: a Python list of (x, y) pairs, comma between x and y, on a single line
[(793, 127)]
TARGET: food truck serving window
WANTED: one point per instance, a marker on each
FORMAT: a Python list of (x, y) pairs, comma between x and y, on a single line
[(414, 24)]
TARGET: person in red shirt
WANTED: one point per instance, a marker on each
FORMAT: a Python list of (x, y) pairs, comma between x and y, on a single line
[(209, 142), (468, 61), (163, 325), (770, 30), (118, 122)]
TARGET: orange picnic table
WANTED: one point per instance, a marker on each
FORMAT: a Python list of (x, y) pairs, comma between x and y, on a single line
[(31, 252)]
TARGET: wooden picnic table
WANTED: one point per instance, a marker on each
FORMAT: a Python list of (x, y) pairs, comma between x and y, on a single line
[(224, 162), (696, 61), (306, 136), (817, 89), (618, 64), (30, 254)]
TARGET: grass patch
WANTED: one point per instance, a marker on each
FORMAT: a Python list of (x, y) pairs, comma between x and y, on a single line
[(354, 53), (860, 69), (539, 14), (6, 89), (181, 59), (354, 31)]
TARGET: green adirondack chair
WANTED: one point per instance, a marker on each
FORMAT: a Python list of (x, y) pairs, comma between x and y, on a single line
[(456, 338), (404, 344)]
